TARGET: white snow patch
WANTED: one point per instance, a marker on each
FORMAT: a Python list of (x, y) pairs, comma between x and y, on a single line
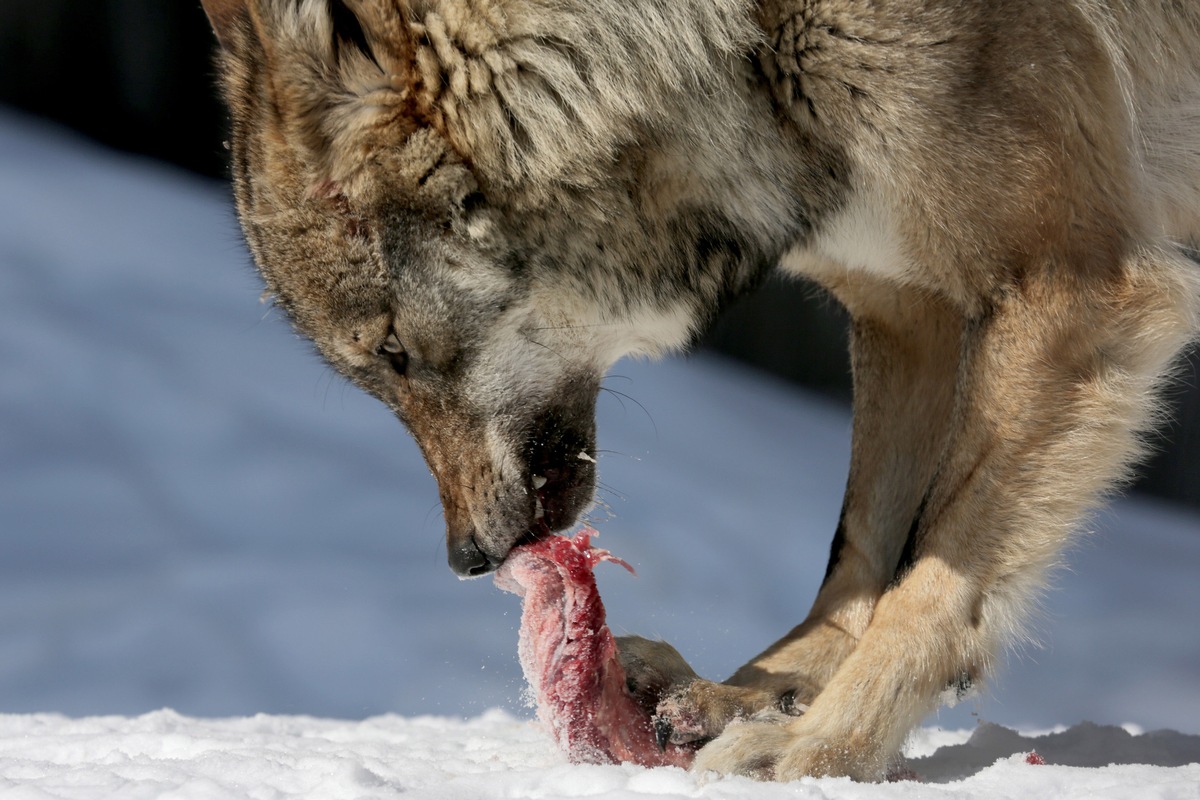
[(164, 754)]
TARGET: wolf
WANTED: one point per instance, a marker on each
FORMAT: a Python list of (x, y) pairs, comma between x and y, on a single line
[(475, 207)]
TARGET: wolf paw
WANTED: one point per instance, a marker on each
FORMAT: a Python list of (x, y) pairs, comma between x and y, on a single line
[(767, 750), (652, 669), (751, 748), (702, 709), (687, 708)]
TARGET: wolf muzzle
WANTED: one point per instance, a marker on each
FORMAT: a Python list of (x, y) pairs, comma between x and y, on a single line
[(467, 560)]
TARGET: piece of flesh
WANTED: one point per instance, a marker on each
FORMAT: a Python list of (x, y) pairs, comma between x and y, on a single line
[(570, 658)]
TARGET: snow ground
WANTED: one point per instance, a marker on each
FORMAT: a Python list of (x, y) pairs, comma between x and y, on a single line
[(194, 514), (496, 755)]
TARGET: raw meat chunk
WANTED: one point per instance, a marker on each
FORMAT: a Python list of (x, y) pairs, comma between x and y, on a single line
[(570, 659)]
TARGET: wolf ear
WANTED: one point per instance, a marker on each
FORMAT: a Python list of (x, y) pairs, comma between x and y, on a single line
[(222, 15)]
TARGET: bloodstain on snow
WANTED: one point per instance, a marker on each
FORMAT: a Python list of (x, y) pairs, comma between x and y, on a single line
[(570, 659)]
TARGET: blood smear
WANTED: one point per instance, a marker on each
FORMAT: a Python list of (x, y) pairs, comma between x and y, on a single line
[(570, 659)]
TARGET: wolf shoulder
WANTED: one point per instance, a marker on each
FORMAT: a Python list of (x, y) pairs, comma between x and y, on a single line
[(971, 129)]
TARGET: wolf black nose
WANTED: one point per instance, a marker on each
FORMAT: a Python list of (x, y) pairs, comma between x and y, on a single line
[(468, 561)]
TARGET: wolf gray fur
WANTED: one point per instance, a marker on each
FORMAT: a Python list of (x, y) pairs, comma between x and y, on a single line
[(475, 207)]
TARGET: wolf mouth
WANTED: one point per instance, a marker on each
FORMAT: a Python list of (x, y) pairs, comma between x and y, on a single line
[(560, 494), (561, 470)]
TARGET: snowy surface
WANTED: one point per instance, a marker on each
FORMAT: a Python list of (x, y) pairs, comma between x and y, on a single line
[(196, 515), (495, 755)]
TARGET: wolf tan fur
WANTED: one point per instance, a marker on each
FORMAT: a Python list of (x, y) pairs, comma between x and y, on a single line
[(475, 207)]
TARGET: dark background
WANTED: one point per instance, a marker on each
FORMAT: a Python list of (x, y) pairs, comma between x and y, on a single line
[(137, 75)]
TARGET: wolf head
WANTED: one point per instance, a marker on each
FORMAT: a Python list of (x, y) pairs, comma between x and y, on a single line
[(474, 209)]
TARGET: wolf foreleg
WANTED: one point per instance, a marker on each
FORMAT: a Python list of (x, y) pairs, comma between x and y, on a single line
[(904, 348), (1055, 382)]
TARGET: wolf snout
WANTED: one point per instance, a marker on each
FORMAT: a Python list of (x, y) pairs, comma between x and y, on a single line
[(551, 499), (467, 560), (501, 486)]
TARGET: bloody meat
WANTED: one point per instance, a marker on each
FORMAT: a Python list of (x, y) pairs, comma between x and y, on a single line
[(570, 659)]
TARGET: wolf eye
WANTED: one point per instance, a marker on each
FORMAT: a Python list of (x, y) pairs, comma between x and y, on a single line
[(393, 351)]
